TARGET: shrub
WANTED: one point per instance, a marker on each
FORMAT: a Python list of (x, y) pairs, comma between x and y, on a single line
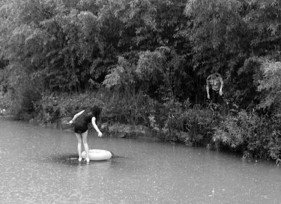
[(22, 92), (128, 107), (53, 107), (199, 123), (250, 134), (180, 122)]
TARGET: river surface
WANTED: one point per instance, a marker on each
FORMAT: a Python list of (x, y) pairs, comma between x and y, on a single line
[(39, 165)]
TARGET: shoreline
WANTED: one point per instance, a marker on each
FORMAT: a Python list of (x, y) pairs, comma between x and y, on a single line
[(125, 131)]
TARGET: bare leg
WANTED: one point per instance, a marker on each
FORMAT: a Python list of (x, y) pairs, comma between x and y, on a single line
[(79, 139), (85, 142)]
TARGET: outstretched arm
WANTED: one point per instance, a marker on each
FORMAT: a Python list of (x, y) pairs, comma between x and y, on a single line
[(75, 116), (96, 127)]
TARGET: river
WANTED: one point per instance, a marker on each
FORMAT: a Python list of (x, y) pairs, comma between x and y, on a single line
[(39, 165)]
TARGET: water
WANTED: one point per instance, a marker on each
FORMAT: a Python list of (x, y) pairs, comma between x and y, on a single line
[(39, 165)]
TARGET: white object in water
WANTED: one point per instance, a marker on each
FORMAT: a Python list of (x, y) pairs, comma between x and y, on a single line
[(98, 154)]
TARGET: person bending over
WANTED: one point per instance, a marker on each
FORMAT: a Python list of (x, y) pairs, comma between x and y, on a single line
[(80, 122), (216, 83)]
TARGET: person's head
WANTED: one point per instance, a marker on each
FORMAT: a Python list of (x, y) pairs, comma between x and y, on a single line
[(214, 80), (96, 111)]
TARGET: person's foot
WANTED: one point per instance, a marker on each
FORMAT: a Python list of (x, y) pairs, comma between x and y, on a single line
[(80, 159), (87, 160)]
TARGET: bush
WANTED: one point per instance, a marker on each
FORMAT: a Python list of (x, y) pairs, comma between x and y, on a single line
[(23, 99), (200, 124), (128, 107), (249, 134), (53, 107), (180, 122)]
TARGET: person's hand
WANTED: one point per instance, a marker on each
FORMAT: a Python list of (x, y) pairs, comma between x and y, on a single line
[(100, 134), (70, 122), (208, 96), (220, 92)]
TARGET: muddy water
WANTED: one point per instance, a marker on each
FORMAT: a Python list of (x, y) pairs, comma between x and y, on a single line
[(39, 165)]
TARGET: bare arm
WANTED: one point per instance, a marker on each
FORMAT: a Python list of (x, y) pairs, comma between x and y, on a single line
[(96, 127), (221, 81), (207, 89), (75, 116)]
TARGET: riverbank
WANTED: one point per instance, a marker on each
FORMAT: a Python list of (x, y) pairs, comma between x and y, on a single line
[(132, 115), (126, 131), (143, 133)]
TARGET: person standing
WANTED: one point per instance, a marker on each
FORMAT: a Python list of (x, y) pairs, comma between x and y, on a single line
[(215, 82), (80, 122)]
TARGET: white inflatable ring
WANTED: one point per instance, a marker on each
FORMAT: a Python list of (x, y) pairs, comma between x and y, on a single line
[(98, 154)]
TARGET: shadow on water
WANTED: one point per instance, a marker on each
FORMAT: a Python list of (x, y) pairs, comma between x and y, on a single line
[(72, 160)]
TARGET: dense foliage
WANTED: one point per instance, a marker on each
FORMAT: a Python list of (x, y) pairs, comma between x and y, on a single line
[(146, 62)]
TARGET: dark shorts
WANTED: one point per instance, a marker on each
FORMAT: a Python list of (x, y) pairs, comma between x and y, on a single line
[(80, 129)]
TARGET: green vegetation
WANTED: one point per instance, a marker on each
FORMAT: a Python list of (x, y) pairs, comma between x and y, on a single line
[(145, 62)]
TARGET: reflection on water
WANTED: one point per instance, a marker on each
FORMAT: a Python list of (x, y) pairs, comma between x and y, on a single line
[(41, 166), (67, 159)]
